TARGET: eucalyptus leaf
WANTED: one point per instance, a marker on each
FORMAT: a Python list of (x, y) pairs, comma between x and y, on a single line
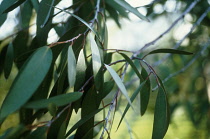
[(8, 60), (71, 67), (161, 115), (27, 81), (132, 99), (82, 121), (119, 83), (167, 50), (131, 9), (59, 100), (13, 6), (96, 58)]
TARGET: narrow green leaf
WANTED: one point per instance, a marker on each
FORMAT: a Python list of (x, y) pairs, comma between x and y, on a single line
[(172, 51), (48, 14), (71, 67), (13, 6), (39, 133), (132, 65), (132, 98), (80, 70), (81, 20), (119, 83), (161, 115), (35, 4), (131, 9), (59, 100), (8, 60), (5, 4), (82, 121), (145, 92), (52, 109), (96, 59), (27, 81)]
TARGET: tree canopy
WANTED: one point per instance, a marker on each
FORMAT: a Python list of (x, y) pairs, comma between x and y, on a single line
[(80, 75)]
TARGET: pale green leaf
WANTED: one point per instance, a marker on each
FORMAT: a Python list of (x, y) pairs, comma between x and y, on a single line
[(119, 83), (71, 67)]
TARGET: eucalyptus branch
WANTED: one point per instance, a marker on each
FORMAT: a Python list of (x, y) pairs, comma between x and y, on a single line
[(188, 64), (180, 42), (192, 5)]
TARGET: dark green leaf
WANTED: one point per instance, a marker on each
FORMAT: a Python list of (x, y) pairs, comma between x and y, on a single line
[(13, 6), (145, 92), (82, 121), (172, 51), (119, 83), (39, 133), (161, 115), (27, 81), (52, 109), (132, 98), (132, 65), (59, 100), (8, 60), (48, 14), (131, 9), (5, 4), (71, 67), (13, 132)]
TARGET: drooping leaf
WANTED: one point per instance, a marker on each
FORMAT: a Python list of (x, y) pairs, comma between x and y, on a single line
[(81, 20), (167, 50), (71, 67), (27, 81), (80, 69), (48, 14), (59, 100), (145, 92), (119, 83), (13, 132), (82, 121), (6, 4), (8, 60), (132, 65), (96, 61), (35, 4), (43, 28), (52, 109), (161, 115), (132, 99), (131, 9), (13, 6)]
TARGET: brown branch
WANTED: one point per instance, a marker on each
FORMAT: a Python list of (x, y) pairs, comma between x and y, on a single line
[(165, 32)]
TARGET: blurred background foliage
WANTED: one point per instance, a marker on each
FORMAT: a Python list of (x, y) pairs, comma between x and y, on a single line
[(186, 78)]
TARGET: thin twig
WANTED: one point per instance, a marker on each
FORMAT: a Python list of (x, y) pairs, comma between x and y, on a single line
[(192, 5), (188, 65), (180, 42)]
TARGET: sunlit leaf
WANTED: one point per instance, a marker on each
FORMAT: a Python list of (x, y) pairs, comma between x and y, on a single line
[(8, 60), (132, 99), (71, 67), (59, 100), (119, 83), (81, 20), (27, 81), (131, 9), (95, 55)]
